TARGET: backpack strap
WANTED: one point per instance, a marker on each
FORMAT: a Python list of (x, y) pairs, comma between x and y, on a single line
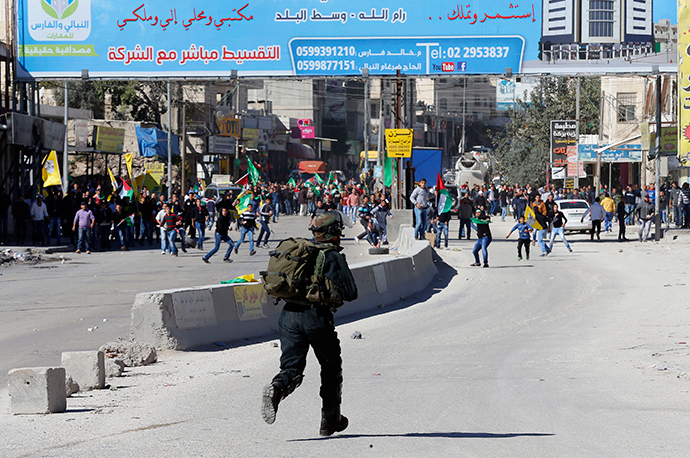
[(320, 262)]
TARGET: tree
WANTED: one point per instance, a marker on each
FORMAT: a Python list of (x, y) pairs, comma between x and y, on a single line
[(523, 150)]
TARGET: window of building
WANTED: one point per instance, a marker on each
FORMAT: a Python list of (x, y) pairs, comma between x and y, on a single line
[(600, 18), (626, 106), (443, 104)]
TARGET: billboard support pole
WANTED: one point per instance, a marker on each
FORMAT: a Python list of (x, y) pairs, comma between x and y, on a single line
[(398, 124), (577, 118), (381, 123), (183, 149), (65, 162), (169, 147), (367, 113)]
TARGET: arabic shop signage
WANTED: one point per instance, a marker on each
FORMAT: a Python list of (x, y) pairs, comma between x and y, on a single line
[(399, 142), (109, 139), (207, 38), (563, 136), (620, 153)]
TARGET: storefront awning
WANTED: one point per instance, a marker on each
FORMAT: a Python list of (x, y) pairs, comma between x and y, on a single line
[(300, 151)]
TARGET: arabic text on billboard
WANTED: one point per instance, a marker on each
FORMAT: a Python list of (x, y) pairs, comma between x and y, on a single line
[(109, 139), (156, 38)]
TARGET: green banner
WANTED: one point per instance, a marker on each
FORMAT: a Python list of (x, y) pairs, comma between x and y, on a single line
[(57, 51)]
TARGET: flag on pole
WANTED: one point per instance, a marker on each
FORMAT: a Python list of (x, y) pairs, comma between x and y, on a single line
[(126, 190), (113, 181), (388, 172), (244, 200), (130, 220), (252, 171), (531, 219), (318, 178), (445, 201), (291, 182), (243, 181), (51, 172), (129, 157)]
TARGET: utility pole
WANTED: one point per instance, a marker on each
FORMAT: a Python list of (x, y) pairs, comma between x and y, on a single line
[(657, 168), (183, 149), (169, 146), (382, 129), (464, 105)]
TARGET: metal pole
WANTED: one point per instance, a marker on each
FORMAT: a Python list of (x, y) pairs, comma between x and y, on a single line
[(381, 124), (367, 110), (464, 105), (65, 162), (436, 107), (398, 124), (169, 146), (183, 149), (577, 118), (657, 165)]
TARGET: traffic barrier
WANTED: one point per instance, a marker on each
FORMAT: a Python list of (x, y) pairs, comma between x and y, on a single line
[(185, 318)]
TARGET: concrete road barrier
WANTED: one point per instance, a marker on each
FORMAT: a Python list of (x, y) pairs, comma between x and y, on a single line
[(189, 317)]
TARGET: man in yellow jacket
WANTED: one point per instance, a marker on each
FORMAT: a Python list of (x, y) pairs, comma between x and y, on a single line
[(609, 207)]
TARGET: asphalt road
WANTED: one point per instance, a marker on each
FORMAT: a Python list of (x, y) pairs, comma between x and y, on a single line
[(572, 355)]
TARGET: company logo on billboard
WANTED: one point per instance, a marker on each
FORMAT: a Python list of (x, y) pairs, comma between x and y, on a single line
[(448, 66), (59, 20)]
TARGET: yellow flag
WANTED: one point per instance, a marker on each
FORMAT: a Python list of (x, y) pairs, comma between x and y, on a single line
[(51, 172), (113, 182), (129, 157), (531, 219)]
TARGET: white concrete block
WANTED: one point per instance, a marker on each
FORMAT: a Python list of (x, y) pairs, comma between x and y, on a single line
[(37, 390), (87, 368)]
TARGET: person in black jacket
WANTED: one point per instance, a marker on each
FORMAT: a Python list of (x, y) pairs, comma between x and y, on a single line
[(222, 228), (481, 225), (21, 214)]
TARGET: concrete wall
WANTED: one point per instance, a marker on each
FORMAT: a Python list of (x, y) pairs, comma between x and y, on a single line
[(189, 317)]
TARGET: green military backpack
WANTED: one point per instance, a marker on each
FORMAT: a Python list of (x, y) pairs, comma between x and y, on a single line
[(295, 273)]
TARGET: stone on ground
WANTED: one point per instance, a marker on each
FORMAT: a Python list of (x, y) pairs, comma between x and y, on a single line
[(130, 353), (87, 368), (37, 390)]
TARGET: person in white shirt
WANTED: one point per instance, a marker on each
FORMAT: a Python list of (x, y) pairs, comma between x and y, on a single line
[(39, 216), (161, 227), (596, 213)]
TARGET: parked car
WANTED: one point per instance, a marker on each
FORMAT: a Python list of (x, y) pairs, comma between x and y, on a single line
[(573, 211), (216, 191)]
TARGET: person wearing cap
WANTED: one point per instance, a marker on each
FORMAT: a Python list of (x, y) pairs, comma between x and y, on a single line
[(304, 323), (39, 216), (85, 221)]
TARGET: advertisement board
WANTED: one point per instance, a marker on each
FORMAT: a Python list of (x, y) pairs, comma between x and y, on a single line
[(684, 84), (175, 38), (620, 153), (108, 139), (563, 135), (399, 142)]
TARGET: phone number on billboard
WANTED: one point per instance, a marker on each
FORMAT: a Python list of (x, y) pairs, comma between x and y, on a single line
[(325, 51), (476, 52), (325, 65)]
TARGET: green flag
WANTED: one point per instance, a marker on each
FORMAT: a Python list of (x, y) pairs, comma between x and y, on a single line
[(318, 178), (388, 172), (244, 200), (252, 171), (291, 182), (330, 179)]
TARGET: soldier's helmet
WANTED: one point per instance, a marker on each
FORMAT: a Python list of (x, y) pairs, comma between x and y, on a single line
[(328, 226)]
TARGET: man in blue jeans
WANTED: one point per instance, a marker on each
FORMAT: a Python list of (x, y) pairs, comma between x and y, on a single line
[(222, 228), (420, 200), (442, 223), (481, 225), (248, 224), (200, 218), (85, 220)]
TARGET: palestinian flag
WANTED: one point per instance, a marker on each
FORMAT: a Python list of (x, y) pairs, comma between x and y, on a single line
[(126, 190), (243, 181), (130, 220), (445, 201)]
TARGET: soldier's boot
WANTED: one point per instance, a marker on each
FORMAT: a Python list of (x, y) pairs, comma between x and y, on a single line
[(332, 421), (275, 392)]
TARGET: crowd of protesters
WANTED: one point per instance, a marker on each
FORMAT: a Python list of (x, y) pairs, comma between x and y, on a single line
[(91, 218)]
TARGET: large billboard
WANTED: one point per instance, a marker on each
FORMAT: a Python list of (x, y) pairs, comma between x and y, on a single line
[(209, 39)]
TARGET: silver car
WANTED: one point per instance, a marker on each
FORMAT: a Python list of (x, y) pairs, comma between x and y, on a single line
[(573, 211)]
